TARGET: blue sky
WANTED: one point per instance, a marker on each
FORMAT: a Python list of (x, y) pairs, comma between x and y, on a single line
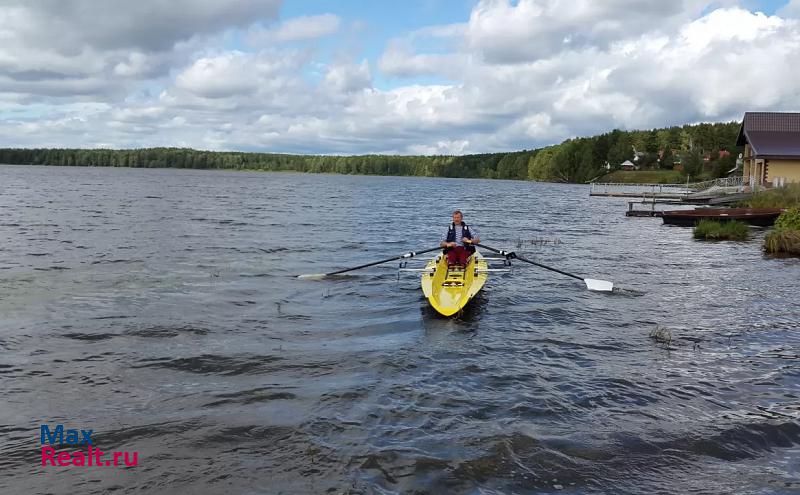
[(766, 6), (372, 24), (352, 77)]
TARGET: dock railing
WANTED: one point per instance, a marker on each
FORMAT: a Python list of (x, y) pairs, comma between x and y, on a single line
[(722, 182), (661, 190), (653, 190)]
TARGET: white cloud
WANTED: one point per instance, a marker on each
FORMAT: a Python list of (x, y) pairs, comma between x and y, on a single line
[(66, 26), (346, 78), (503, 32), (399, 60), (137, 64), (298, 29), (512, 76), (791, 9), (217, 77), (713, 67), (451, 147), (718, 66), (136, 114), (80, 47)]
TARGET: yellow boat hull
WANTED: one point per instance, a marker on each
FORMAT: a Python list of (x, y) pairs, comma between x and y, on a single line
[(448, 289)]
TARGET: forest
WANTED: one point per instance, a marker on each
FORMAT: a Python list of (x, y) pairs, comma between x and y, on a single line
[(695, 149)]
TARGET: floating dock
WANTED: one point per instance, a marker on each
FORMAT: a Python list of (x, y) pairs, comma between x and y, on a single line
[(650, 212)]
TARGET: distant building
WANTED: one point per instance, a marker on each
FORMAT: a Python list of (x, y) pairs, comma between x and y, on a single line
[(707, 157), (771, 143), (628, 165)]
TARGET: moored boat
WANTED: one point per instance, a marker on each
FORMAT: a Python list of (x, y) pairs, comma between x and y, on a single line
[(762, 217)]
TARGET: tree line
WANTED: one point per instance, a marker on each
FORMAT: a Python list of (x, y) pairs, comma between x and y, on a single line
[(574, 160)]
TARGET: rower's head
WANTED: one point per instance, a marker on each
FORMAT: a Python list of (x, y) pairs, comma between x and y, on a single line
[(457, 217)]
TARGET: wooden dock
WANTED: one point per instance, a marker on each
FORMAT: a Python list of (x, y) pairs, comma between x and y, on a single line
[(716, 192), (649, 212)]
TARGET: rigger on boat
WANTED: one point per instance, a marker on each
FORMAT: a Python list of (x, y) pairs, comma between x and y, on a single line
[(452, 278)]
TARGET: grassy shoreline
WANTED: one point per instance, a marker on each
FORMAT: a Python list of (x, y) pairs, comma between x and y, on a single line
[(785, 237), (782, 197)]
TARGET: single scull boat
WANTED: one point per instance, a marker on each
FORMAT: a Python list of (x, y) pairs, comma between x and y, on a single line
[(450, 288)]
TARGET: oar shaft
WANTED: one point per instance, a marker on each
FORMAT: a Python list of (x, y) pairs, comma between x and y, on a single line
[(409, 254), (515, 256), (548, 267)]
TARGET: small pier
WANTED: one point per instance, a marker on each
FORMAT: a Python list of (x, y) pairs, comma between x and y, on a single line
[(713, 191), (651, 211)]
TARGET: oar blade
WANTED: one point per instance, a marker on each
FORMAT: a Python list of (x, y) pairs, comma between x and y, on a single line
[(312, 276), (599, 285)]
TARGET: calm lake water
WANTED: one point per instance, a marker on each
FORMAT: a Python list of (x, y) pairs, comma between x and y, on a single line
[(160, 309)]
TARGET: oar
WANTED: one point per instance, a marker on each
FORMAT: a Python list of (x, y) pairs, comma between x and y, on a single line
[(591, 284), (409, 254)]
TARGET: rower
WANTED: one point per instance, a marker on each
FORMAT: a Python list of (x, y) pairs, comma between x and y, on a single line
[(457, 243)]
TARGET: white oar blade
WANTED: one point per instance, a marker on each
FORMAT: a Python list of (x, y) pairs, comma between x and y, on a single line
[(599, 285), (312, 276)]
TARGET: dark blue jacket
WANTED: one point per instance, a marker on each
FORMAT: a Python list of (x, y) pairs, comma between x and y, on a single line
[(451, 236)]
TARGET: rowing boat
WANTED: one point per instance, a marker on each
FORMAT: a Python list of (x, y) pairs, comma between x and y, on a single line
[(450, 288)]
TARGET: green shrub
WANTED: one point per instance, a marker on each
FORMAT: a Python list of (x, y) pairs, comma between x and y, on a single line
[(789, 220), (713, 230), (785, 237)]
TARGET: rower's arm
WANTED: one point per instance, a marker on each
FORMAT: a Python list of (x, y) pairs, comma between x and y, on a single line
[(445, 244)]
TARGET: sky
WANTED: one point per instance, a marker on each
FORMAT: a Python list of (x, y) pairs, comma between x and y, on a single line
[(361, 77)]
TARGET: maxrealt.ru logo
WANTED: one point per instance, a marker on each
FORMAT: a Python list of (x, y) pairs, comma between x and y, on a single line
[(78, 438)]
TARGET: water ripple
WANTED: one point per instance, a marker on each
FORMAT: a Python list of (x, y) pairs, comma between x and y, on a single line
[(161, 308)]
